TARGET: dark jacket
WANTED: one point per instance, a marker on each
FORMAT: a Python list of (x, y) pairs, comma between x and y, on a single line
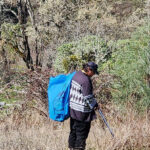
[(81, 91)]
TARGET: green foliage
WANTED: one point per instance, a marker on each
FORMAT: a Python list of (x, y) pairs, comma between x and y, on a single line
[(75, 54), (70, 62), (11, 94), (130, 67), (10, 32), (12, 35)]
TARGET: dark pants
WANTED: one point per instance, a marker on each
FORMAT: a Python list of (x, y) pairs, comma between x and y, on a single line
[(78, 133)]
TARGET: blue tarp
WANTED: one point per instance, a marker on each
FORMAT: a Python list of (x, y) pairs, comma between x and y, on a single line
[(58, 96)]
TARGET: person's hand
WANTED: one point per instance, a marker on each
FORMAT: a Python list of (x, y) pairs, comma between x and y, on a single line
[(96, 106)]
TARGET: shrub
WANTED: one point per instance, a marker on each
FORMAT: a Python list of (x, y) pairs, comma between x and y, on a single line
[(75, 54), (130, 66)]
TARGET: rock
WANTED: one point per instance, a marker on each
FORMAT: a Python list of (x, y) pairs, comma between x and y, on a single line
[(2, 104)]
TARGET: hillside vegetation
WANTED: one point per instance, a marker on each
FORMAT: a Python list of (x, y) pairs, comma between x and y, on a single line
[(43, 38)]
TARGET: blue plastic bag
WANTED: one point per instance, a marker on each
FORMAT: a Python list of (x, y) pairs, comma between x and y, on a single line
[(58, 96)]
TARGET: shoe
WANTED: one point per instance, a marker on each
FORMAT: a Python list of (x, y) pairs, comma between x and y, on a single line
[(78, 149)]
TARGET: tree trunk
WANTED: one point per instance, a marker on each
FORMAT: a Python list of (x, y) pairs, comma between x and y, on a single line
[(6, 67), (22, 16), (38, 39)]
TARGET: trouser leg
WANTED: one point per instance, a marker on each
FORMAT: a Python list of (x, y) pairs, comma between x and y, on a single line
[(82, 131), (78, 134), (72, 136)]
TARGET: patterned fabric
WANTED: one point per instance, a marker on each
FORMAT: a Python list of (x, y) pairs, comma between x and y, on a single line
[(80, 92), (77, 100)]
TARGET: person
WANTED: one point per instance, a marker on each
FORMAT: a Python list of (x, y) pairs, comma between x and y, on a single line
[(82, 106)]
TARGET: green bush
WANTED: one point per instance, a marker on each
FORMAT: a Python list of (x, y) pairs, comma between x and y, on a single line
[(73, 55), (130, 68)]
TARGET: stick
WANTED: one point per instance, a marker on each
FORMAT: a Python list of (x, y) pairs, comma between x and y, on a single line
[(103, 117)]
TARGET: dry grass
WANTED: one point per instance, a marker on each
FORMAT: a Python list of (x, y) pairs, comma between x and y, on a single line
[(29, 129)]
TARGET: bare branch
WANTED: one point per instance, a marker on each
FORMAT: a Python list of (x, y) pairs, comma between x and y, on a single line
[(13, 12)]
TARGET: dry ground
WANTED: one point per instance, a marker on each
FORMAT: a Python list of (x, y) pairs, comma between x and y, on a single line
[(30, 129)]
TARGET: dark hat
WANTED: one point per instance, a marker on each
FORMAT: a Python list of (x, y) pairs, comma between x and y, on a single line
[(93, 67)]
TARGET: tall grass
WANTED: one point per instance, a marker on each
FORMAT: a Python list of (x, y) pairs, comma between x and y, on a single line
[(29, 130)]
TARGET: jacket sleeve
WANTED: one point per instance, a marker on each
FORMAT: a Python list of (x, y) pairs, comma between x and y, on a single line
[(88, 96)]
